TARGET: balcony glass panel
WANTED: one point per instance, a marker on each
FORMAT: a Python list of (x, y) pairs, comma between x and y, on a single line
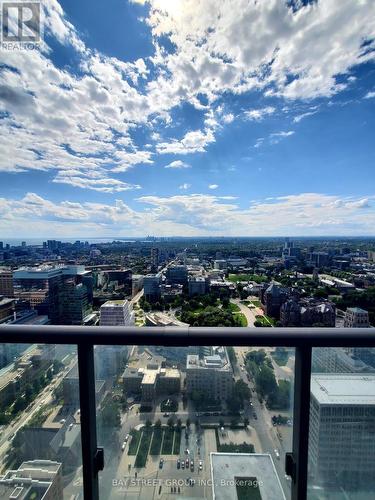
[(170, 419), (342, 424), (40, 431)]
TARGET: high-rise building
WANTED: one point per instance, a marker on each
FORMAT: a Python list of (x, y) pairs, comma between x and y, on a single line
[(355, 317), (49, 289), (6, 282), (274, 296), (177, 275), (210, 373), (116, 313), (220, 264), (342, 424), (6, 309), (151, 287), (154, 258)]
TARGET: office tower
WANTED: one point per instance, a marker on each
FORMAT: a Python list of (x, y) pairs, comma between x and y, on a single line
[(76, 306), (355, 317), (337, 360), (210, 373), (116, 313), (50, 288), (177, 275), (137, 284), (342, 425), (1, 245), (6, 282), (154, 258), (151, 287)]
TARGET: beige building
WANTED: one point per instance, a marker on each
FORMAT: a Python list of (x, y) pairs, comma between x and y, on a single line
[(151, 381), (355, 317), (211, 374)]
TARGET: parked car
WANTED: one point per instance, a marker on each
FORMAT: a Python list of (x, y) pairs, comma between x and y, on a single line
[(178, 463), (161, 463), (123, 446), (277, 454), (182, 464)]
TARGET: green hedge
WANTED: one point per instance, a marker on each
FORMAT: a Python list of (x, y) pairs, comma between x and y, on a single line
[(144, 446), (157, 439), (167, 442), (177, 442), (133, 446)]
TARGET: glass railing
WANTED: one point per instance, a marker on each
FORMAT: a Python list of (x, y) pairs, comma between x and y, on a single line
[(40, 428), (179, 417)]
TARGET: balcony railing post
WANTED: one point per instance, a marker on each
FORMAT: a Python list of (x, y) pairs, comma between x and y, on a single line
[(88, 421), (301, 418)]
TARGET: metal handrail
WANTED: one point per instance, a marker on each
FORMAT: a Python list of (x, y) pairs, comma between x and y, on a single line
[(302, 339)]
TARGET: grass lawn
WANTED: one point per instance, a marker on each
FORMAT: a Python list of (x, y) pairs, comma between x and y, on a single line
[(242, 318), (177, 442), (141, 458), (133, 446), (157, 439), (168, 442), (247, 488), (233, 307), (265, 320), (256, 303)]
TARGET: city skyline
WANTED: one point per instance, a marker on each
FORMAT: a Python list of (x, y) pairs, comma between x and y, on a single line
[(190, 119)]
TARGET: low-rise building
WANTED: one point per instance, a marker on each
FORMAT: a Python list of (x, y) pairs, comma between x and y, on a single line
[(355, 317), (151, 381), (244, 475), (117, 313), (39, 479)]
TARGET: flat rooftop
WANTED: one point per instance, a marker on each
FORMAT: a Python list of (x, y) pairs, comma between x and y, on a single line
[(343, 388), (229, 469)]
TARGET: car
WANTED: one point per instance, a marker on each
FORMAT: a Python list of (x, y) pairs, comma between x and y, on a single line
[(166, 414), (277, 454), (178, 463), (187, 451), (187, 463), (123, 446), (182, 464), (127, 438), (161, 463), (200, 465), (199, 451), (192, 466)]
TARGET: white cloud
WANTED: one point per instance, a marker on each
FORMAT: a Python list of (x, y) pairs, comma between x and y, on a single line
[(228, 118), (185, 186), (259, 114), (213, 186), (195, 214), (300, 117), (192, 142), (178, 164), (370, 94)]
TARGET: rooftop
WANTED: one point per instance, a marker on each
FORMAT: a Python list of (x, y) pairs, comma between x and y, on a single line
[(228, 469), (343, 388)]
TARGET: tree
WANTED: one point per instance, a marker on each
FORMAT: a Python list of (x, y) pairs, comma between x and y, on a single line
[(246, 422), (148, 423), (157, 424), (170, 422)]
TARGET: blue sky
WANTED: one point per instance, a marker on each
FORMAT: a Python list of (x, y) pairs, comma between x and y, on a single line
[(191, 118)]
